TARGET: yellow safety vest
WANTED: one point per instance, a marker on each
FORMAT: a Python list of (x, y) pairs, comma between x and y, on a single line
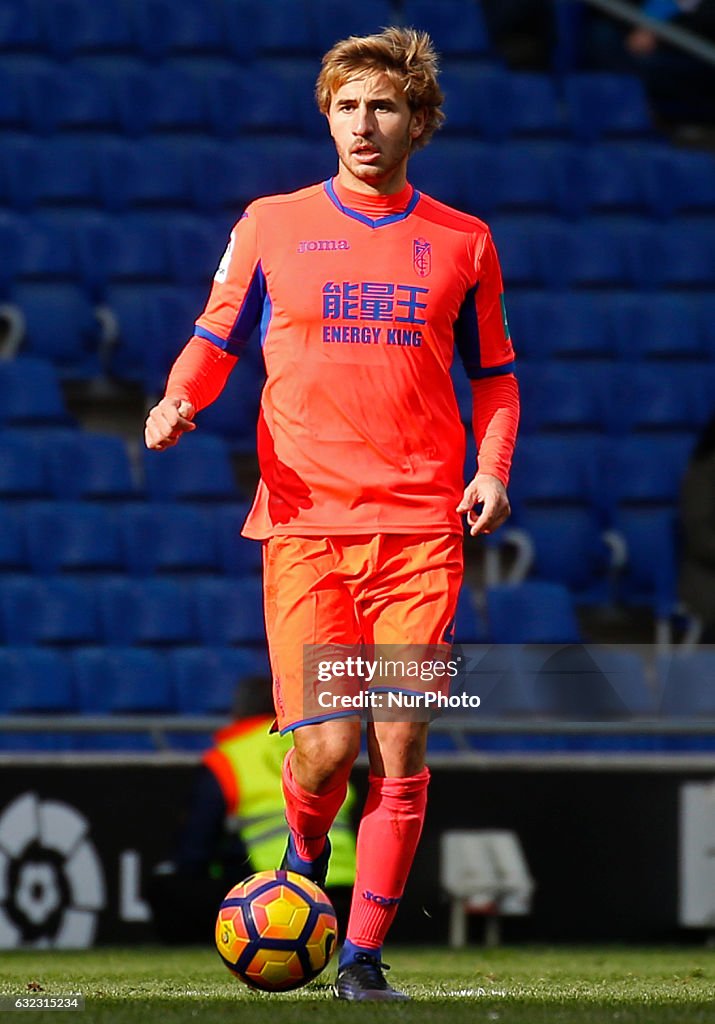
[(247, 762)]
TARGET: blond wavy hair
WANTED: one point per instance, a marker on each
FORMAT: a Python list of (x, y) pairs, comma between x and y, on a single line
[(408, 58)]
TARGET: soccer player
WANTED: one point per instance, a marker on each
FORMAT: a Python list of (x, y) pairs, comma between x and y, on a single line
[(362, 287)]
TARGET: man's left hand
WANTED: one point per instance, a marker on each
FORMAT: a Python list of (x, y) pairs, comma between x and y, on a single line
[(490, 492)]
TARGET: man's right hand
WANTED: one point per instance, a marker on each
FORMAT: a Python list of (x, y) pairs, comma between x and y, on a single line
[(167, 421)]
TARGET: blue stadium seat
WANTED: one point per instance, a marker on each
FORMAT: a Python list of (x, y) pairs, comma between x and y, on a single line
[(56, 172), (194, 246), (283, 29), (599, 179), (90, 466), (143, 174), (648, 577), (35, 248), (48, 611), (652, 397), (61, 326), (566, 395), (516, 177), (687, 684), (445, 173), (494, 673), (531, 612), (158, 99), (121, 680), (165, 314), (23, 473), (120, 250), (586, 255), (516, 242), (456, 26), (207, 678), (200, 471), (679, 181), (519, 105), (563, 324), (602, 104), (72, 537), (264, 97), (19, 27), (568, 547), (71, 28), (31, 394), (331, 20), (680, 255), (706, 320), (469, 624), (12, 98), (13, 549), (67, 98), (230, 611), (154, 612), (35, 681), (168, 537), (647, 470), (661, 326), (167, 28), (238, 555), (556, 469)]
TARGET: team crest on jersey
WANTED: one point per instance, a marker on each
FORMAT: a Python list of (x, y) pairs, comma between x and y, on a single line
[(223, 266), (422, 256)]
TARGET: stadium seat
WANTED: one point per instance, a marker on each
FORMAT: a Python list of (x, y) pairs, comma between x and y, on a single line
[(602, 104), (72, 537), (648, 577), (495, 674), (647, 470), (566, 395), (67, 98), (599, 179), (469, 624), (200, 471), (238, 556), (13, 550), (573, 325), (558, 469), (587, 255), (445, 174), (19, 27), (164, 313), (234, 414), (60, 325), (167, 28), (221, 671), (679, 181), (84, 465), (519, 105), (647, 397), (680, 255), (49, 611), (34, 248), (159, 99), (31, 394), (168, 537), (153, 612), (143, 175), (12, 100), (331, 20), (35, 681), (663, 326), (72, 28), (120, 250), (283, 29), (706, 320), (119, 680), (22, 468), (230, 611), (264, 97), (456, 26), (56, 172), (531, 612), (516, 243), (194, 246), (516, 177), (687, 684)]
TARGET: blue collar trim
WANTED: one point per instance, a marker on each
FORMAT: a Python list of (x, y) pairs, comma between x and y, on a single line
[(381, 222)]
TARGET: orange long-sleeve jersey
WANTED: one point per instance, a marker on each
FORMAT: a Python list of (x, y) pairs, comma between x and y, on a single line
[(361, 302)]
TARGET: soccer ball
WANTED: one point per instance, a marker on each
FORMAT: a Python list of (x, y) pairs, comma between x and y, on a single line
[(276, 930)]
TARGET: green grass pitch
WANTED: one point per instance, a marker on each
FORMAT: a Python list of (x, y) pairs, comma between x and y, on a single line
[(518, 985)]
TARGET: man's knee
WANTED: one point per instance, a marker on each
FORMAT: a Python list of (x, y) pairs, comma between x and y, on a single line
[(324, 754)]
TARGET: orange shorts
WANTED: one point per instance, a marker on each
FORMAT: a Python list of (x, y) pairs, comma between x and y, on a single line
[(352, 592)]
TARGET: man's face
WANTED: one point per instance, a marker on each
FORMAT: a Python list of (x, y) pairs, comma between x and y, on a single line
[(373, 129)]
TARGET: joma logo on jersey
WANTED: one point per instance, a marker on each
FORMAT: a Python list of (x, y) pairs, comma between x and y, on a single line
[(422, 256), (323, 245)]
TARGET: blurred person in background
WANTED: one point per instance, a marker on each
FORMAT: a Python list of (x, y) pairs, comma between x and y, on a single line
[(235, 824)]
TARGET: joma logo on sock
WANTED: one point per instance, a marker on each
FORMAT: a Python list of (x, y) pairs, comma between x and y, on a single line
[(383, 901), (323, 245)]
